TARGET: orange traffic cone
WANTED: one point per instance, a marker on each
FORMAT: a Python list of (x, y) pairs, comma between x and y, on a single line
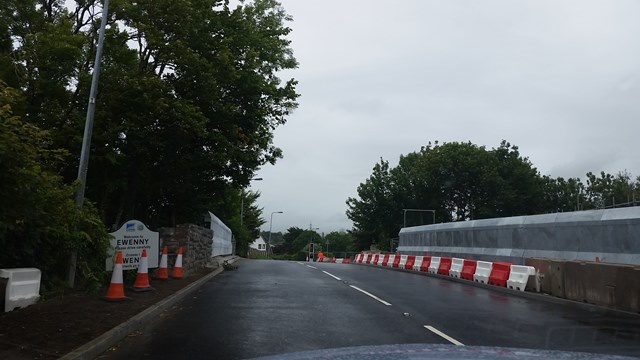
[(163, 273), (116, 288), (142, 279), (176, 273)]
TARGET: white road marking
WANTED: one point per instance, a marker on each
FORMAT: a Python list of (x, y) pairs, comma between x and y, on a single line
[(333, 276), (313, 267), (443, 335), (299, 263), (371, 295)]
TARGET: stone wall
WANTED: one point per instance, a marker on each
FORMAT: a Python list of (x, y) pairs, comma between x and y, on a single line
[(196, 242)]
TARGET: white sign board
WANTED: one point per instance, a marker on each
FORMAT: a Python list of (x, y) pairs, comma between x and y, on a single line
[(131, 238)]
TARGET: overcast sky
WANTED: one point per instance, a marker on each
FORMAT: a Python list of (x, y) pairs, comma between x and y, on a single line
[(559, 79)]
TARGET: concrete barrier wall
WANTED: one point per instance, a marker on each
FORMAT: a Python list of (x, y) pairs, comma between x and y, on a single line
[(611, 285), (611, 235)]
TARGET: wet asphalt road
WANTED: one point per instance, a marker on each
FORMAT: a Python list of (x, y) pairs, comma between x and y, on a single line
[(276, 307)]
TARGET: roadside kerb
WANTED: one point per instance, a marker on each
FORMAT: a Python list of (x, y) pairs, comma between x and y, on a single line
[(105, 341), (524, 294)]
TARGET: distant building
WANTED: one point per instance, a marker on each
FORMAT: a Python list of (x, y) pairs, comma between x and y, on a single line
[(259, 244)]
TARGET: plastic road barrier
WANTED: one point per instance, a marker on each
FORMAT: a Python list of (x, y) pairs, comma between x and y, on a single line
[(468, 269), (426, 261), (375, 259), (385, 261), (23, 287), (411, 259), (483, 270), (392, 259), (445, 265), (417, 263), (396, 261), (499, 274), (519, 276), (359, 258), (403, 261), (368, 258), (456, 267), (435, 264)]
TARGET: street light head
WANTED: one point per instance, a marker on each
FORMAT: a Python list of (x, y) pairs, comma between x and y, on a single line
[(256, 179)]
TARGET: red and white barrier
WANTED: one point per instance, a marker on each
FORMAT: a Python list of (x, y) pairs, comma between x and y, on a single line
[(385, 260), (435, 264), (494, 273), (426, 262), (499, 274), (483, 270), (519, 276), (417, 263), (411, 259), (468, 269), (456, 267), (392, 259), (445, 265), (403, 261)]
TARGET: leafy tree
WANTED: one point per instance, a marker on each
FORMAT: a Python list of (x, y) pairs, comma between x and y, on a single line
[(339, 241), (276, 237), (374, 213), (289, 237), (459, 181), (39, 222)]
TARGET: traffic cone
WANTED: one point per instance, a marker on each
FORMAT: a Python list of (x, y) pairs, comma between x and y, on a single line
[(176, 273), (116, 288), (162, 273), (142, 279)]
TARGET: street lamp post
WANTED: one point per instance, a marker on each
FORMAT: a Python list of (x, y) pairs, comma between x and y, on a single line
[(404, 221), (271, 227), (242, 201), (86, 138)]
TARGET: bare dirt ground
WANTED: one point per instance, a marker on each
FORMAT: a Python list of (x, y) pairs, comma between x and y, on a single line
[(52, 328)]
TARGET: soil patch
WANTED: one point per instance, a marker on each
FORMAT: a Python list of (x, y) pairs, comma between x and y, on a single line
[(52, 328)]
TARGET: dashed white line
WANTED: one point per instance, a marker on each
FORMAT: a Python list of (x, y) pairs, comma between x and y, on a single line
[(443, 335), (333, 276), (299, 263), (313, 267), (371, 295)]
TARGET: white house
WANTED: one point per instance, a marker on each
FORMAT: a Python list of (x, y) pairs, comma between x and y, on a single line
[(259, 244)]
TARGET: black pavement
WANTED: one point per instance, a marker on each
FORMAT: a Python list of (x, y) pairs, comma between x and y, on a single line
[(276, 307)]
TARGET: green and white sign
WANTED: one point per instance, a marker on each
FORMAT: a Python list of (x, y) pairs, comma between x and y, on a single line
[(131, 238)]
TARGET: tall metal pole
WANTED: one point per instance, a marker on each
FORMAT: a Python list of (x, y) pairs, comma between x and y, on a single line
[(242, 201), (270, 227), (88, 129)]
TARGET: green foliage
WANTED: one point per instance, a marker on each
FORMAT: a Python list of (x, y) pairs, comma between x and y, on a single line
[(339, 241), (189, 97), (188, 100), (463, 181), (39, 222)]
